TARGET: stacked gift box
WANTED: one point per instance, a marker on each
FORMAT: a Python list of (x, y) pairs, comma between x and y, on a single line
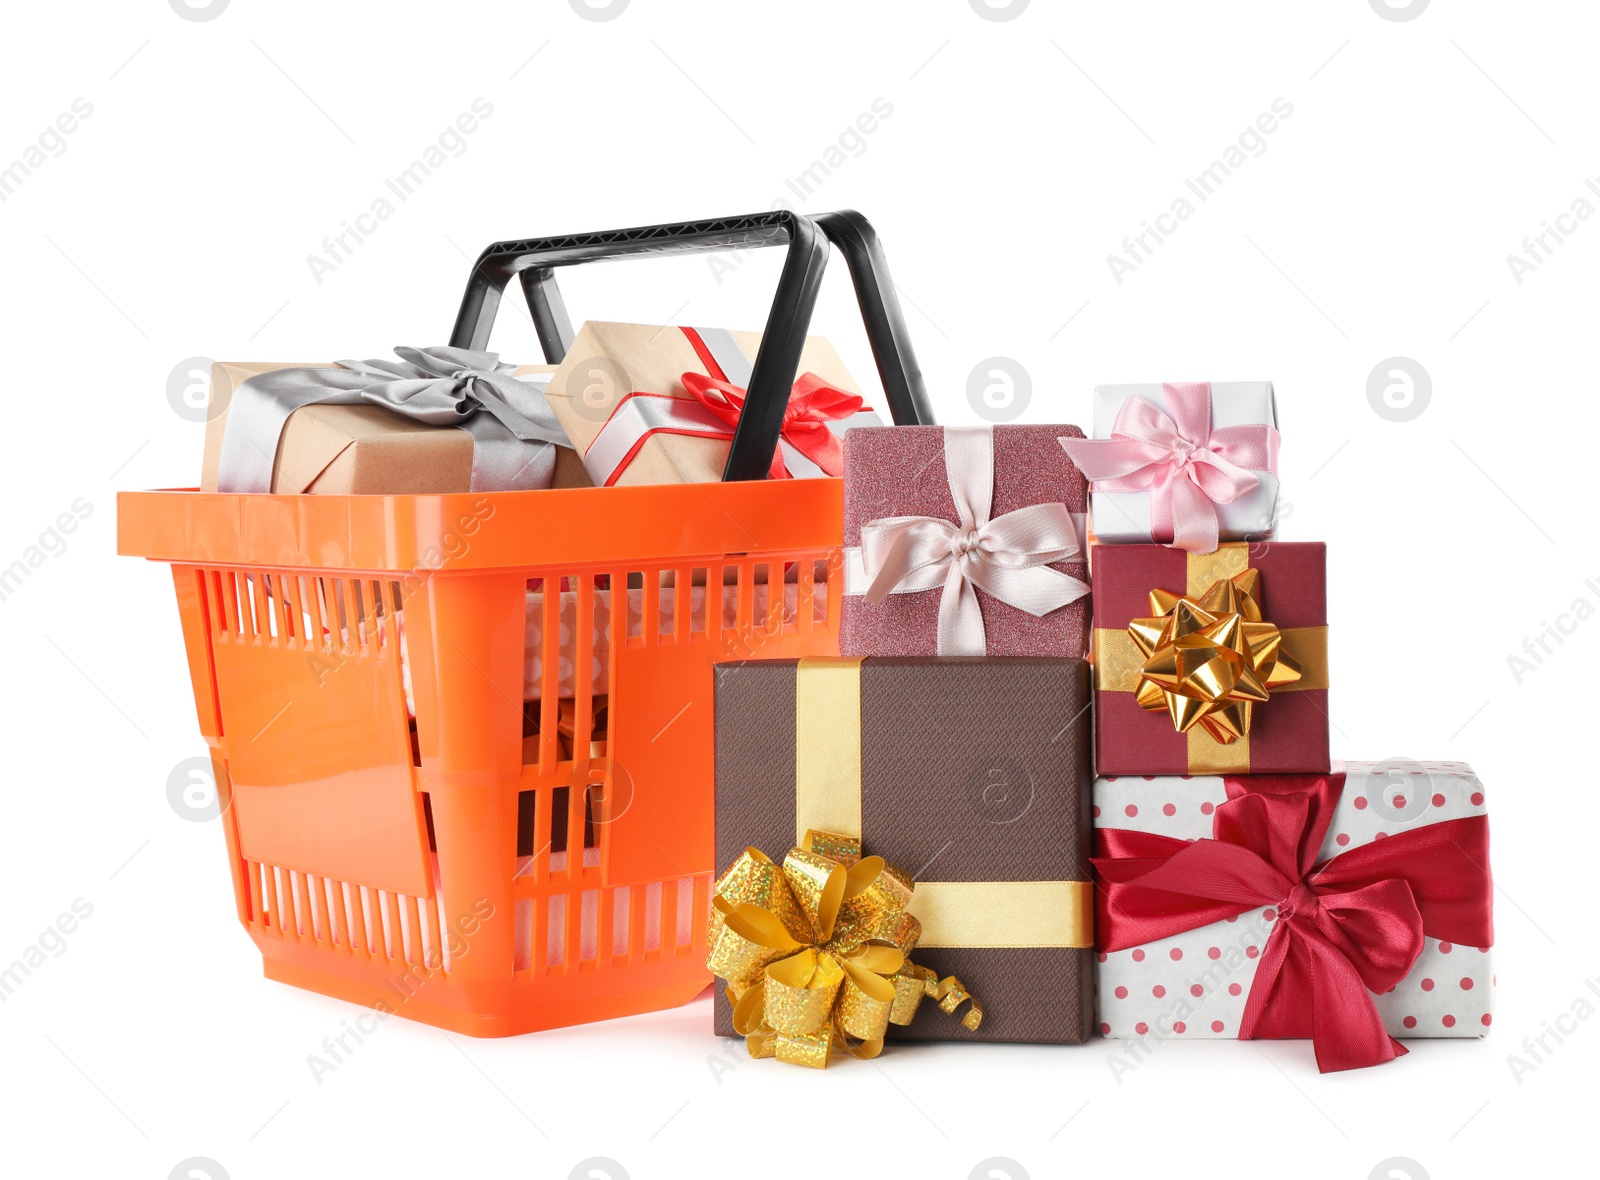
[(1242, 883), (950, 739), (1249, 886), (1069, 773)]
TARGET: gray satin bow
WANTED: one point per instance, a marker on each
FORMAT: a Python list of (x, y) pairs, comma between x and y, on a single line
[(514, 431)]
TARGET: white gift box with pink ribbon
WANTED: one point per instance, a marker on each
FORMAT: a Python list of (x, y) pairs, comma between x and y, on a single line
[(1188, 465)]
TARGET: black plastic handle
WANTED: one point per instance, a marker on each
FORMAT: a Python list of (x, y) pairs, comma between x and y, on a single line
[(880, 312), (755, 438)]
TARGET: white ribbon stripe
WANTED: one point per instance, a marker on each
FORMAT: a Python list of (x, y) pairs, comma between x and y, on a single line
[(640, 415)]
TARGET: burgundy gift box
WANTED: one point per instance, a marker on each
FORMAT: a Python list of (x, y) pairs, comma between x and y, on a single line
[(1023, 498), (1287, 731)]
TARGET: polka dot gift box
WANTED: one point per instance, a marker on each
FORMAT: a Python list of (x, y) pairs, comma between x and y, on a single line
[(1350, 908)]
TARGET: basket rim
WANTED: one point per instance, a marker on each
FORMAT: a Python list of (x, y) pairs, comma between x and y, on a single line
[(469, 532)]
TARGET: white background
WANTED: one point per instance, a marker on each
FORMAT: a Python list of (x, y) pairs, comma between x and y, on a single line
[(1018, 155)]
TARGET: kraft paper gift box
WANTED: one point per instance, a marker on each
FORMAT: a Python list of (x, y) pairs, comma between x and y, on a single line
[(645, 404), (1350, 908), (1185, 464), (1009, 497), (1211, 663), (362, 449), (972, 775)]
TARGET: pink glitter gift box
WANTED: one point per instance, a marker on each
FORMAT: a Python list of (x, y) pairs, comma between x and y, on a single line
[(963, 540)]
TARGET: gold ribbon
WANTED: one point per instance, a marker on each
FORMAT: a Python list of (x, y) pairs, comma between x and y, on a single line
[(817, 952), (567, 728), (1010, 914), (1210, 659), (827, 745)]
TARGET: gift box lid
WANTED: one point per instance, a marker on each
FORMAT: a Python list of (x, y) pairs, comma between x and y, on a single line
[(1233, 403)]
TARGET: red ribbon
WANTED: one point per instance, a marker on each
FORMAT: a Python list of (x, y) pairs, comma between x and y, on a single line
[(1347, 928), (813, 403)]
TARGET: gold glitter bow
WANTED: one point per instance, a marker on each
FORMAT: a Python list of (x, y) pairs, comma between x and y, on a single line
[(1210, 661), (817, 950)]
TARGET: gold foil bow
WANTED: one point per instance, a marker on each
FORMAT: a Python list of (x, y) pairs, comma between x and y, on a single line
[(1209, 661), (816, 951)]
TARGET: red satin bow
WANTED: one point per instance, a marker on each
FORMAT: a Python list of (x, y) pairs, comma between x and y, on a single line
[(813, 403), (1347, 928)]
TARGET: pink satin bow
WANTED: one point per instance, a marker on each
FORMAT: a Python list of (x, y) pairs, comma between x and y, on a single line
[(1008, 557), (1186, 465)]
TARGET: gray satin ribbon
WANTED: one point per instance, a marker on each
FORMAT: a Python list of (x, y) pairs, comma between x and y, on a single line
[(514, 431)]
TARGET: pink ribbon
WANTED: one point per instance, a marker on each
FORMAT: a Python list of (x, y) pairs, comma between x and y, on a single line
[(1187, 466)]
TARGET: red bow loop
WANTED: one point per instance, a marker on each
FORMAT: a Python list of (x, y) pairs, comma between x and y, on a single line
[(1378, 928), (1306, 987), (813, 403), (1285, 817)]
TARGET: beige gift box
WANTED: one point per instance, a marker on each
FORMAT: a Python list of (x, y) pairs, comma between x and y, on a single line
[(359, 450), (609, 362)]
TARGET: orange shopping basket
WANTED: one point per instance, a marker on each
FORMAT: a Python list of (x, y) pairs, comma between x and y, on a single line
[(463, 743)]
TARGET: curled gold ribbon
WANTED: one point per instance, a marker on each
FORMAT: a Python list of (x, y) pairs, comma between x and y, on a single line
[(815, 952), (1210, 660)]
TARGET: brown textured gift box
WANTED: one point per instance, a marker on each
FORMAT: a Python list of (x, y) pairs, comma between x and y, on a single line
[(972, 770)]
